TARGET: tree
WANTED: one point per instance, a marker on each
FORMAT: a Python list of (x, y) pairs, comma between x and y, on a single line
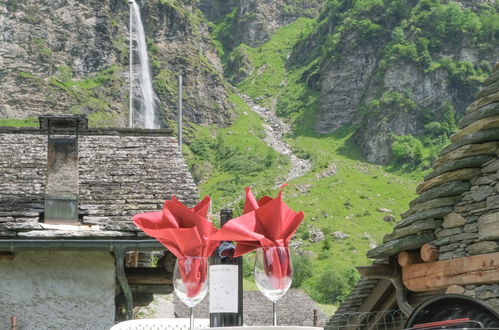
[(334, 284), (302, 269)]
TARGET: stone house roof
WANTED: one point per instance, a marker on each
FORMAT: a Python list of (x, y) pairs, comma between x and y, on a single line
[(457, 209), (295, 308), (459, 195), (121, 172)]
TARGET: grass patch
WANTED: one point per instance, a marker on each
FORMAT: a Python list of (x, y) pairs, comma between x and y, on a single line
[(328, 309), (226, 160), (342, 192), (249, 285), (269, 60), (27, 122)]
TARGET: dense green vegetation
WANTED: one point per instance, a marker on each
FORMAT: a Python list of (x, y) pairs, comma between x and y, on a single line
[(424, 33), (283, 74), (28, 122), (224, 161), (351, 202), (340, 194)]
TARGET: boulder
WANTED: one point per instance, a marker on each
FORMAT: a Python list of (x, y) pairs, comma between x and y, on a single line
[(491, 166), (340, 235), (488, 90)]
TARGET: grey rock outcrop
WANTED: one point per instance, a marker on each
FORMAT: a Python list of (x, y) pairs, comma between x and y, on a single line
[(356, 72), (253, 22), (59, 56)]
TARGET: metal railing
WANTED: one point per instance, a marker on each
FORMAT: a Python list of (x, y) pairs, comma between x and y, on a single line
[(385, 320)]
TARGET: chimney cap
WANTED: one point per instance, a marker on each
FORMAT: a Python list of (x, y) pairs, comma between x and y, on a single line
[(63, 122)]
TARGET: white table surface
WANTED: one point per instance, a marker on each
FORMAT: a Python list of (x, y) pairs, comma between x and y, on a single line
[(266, 327)]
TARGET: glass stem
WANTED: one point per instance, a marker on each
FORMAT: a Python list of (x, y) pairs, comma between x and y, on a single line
[(191, 315), (274, 313)]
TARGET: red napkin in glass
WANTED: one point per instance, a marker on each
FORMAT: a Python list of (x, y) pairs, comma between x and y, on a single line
[(266, 223), (184, 232)]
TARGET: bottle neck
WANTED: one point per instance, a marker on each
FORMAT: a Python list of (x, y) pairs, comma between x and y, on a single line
[(225, 216)]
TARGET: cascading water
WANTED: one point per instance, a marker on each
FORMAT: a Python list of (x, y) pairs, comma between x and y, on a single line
[(147, 116)]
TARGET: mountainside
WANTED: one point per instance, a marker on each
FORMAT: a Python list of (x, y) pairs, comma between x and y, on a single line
[(72, 56), (253, 22), (398, 67), (359, 82)]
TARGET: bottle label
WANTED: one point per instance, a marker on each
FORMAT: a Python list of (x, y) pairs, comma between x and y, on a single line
[(223, 288)]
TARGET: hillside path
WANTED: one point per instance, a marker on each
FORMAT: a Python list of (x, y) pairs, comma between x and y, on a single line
[(274, 129)]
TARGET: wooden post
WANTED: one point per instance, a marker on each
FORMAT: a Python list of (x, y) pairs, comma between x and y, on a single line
[(13, 322), (180, 112), (429, 253), (315, 317)]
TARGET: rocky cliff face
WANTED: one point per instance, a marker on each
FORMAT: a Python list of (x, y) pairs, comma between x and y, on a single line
[(72, 56), (253, 22), (372, 54)]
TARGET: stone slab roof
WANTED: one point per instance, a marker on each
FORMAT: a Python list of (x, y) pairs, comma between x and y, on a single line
[(122, 172), (457, 209), (458, 204)]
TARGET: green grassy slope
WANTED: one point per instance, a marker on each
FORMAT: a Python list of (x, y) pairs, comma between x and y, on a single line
[(340, 193)]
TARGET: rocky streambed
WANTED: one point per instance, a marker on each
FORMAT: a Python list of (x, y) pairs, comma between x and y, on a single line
[(275, 128)]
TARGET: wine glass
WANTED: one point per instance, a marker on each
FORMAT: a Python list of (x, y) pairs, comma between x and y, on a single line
[(190, 282), (273, 273)]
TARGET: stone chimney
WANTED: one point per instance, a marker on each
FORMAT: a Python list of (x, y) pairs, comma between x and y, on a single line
[(61, 189)]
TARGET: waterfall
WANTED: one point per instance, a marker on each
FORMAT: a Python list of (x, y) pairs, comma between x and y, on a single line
[(147, 116)]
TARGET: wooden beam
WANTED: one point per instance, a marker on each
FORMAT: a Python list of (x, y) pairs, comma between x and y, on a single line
[(147, 275), (389, 304), (461, 271), (407, 258), (132, 259), (376, 271), (429, 252), (375, 296)]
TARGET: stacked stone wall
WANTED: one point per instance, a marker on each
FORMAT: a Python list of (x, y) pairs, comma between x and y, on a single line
[(457, 209)]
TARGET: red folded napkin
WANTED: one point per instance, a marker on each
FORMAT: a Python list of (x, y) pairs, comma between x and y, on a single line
[(266, 223), (184, 232)]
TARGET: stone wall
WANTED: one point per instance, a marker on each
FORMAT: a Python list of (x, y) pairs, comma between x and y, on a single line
[(49, 290), (457, 209), (121, 173), (295, 308)]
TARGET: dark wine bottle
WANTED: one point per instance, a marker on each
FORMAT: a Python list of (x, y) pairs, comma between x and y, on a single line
[(226, 283)]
